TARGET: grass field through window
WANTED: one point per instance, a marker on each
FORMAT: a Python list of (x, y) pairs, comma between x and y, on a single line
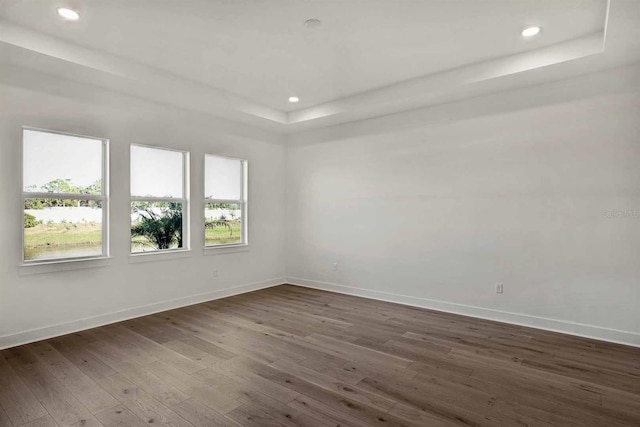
[(224, 235), (77, 239), (62, 240)]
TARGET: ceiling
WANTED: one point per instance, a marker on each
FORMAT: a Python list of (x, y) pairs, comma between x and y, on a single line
[(244, 58)]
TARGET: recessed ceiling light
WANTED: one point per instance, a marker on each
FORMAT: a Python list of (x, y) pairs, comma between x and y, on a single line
[(293, 99), (530, 31), (312, 23), (68, 14)]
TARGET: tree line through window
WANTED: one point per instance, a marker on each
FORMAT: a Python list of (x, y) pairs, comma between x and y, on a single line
[(66, 198)]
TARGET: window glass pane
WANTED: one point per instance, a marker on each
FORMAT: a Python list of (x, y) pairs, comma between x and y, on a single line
[(156, 172), (223, 178), (56, 228), (223, 223), (156, 226), (55, 163)]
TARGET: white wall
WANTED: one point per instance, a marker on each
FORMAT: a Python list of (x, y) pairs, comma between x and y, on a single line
[(434, 207), (430, 207), (34, 306)]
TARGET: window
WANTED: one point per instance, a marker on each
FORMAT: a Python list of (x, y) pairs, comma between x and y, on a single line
[(65, 196), (225, 202), (159, 199)]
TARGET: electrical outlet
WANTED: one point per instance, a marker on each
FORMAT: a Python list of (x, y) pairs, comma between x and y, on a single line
[(499, 288), (335, 266)]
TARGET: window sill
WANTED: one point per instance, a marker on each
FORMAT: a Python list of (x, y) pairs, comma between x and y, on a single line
[(159, 255), (227, 249), (52, 266)]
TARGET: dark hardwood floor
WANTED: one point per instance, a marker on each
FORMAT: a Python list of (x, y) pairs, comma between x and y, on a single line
[(294, 356)]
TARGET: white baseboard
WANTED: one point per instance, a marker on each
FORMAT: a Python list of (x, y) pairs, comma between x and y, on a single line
[(577, 329), (554, 325), (38, 334)]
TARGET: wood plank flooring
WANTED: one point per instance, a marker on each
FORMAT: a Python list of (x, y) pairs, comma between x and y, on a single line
[(291, 356)]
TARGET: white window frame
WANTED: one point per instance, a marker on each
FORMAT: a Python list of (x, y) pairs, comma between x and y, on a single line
[(102, 198), (243, 202), (184, 200)]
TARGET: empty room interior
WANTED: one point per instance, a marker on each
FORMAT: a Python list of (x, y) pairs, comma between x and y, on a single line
[(319, 213)]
